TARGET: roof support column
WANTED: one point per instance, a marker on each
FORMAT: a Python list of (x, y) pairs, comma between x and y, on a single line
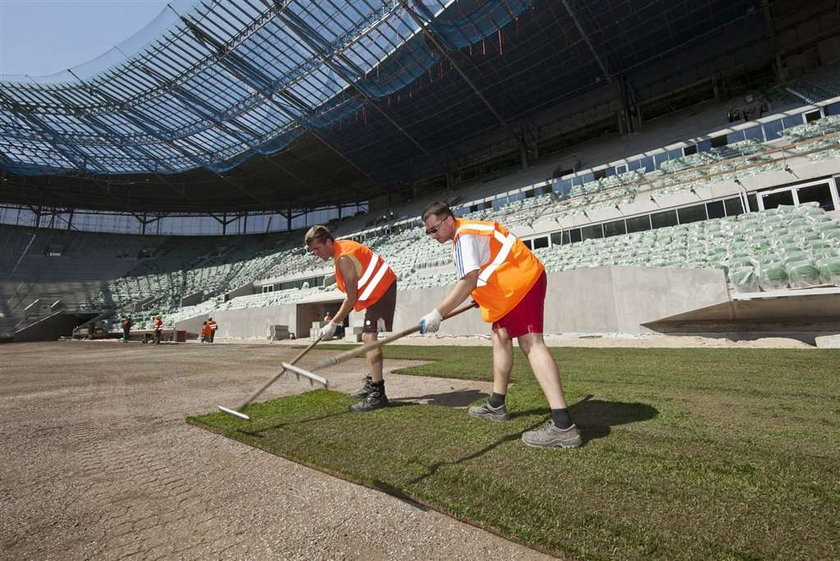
[(224, 221), (777, 57)]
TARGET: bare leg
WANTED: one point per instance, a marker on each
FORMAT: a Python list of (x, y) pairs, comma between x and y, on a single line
[(502, 360), (374, 358), (544, 367)]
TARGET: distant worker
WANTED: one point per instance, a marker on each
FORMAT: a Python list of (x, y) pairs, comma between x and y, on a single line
[(508, 282), (158, 329), (327, 317), (126, 327), (213, 328), (369, 284), (206, 332)]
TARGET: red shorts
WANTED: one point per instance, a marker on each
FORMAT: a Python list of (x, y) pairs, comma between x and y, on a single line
[(527, 316)]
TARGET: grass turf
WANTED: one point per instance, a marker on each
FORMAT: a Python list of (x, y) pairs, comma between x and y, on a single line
[(689, 454)]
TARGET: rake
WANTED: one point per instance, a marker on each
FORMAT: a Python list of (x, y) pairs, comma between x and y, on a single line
[(286, 367), (369, 347)]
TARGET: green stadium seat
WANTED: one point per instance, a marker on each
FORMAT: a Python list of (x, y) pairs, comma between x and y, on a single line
[(802, 274)]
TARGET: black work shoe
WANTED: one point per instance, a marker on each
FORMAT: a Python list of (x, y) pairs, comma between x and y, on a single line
[(365, 389), (376, 399)]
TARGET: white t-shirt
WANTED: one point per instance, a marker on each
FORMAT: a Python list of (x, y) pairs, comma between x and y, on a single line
[(470, 252)]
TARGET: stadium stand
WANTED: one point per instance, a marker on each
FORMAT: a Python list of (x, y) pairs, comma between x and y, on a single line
[(749, 187), (819, 85), (150, 275)]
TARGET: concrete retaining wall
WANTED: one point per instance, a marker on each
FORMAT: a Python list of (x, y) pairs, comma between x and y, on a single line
[(598, 300)]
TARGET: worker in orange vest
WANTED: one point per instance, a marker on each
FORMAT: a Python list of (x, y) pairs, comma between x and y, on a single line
[(369, 284), (158, 329), (211, 323), (206, 332), (508, 282)]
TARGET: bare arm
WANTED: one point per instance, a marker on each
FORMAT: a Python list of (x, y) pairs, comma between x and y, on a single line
[(460, 292), (351, 288)]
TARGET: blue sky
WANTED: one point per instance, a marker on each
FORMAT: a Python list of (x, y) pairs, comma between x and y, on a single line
[(40, 37)]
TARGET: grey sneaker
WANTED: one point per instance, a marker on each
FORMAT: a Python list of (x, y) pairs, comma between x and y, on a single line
[(549, 435), (484, 411), (376, 399), (365, 389)]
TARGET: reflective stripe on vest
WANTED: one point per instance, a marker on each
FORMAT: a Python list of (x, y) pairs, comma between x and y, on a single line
[(509, 274), (377, 278), (374, 274), (507, 244)]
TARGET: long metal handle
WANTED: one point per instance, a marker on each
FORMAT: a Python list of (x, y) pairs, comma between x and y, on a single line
[(376, 344), (257, 393)]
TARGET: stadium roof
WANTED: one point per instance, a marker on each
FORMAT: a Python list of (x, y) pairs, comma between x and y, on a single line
[(271, 104)]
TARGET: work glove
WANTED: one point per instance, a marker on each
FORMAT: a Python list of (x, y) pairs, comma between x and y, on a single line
[(430, 322), (327, 331)]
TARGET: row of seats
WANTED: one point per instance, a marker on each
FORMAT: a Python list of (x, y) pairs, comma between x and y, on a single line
[(417, 259), (725, 164), (793, 247)]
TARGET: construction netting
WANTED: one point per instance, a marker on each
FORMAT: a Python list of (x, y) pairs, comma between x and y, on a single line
[(211, 83), (399, 89)]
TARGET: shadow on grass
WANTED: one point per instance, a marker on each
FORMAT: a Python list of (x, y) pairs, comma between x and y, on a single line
[(593, 417), (460, 398), (434, 468), (258, 431), (398, 494)]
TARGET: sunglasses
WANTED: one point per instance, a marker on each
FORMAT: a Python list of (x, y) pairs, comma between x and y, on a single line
[(434, 229)]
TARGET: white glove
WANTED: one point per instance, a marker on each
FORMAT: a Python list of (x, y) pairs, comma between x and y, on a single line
[(327, 331), (430, 322)]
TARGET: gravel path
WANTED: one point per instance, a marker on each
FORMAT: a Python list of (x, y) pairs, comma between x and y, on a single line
[(99, 463)]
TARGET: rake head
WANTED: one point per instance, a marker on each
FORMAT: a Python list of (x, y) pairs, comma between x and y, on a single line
[(234, 412), (306, 374)]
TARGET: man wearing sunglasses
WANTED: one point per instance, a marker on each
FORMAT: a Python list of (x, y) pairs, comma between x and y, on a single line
[(508, 282), (369, 284)]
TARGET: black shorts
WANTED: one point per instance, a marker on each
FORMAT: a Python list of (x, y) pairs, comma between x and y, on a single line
[(379, 316)]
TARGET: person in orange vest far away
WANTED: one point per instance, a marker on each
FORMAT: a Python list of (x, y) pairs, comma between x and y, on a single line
[(211, 323), (508, 282), (206, 332), (126, 326), (158, 329), (369, 284)]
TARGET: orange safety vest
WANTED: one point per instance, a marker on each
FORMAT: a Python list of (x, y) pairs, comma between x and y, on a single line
[(508, 275), (212, 325), (374, 276), (158, 325)]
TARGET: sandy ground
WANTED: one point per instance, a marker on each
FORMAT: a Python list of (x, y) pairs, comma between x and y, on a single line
[(99, 463), (607, 340)]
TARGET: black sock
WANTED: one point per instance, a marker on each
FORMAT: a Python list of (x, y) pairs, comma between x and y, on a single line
[(496, 400), (561, 418), (380, 385)]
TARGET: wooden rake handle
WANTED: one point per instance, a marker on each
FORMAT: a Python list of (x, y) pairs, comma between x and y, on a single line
[(376, 344), (257, 393)]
